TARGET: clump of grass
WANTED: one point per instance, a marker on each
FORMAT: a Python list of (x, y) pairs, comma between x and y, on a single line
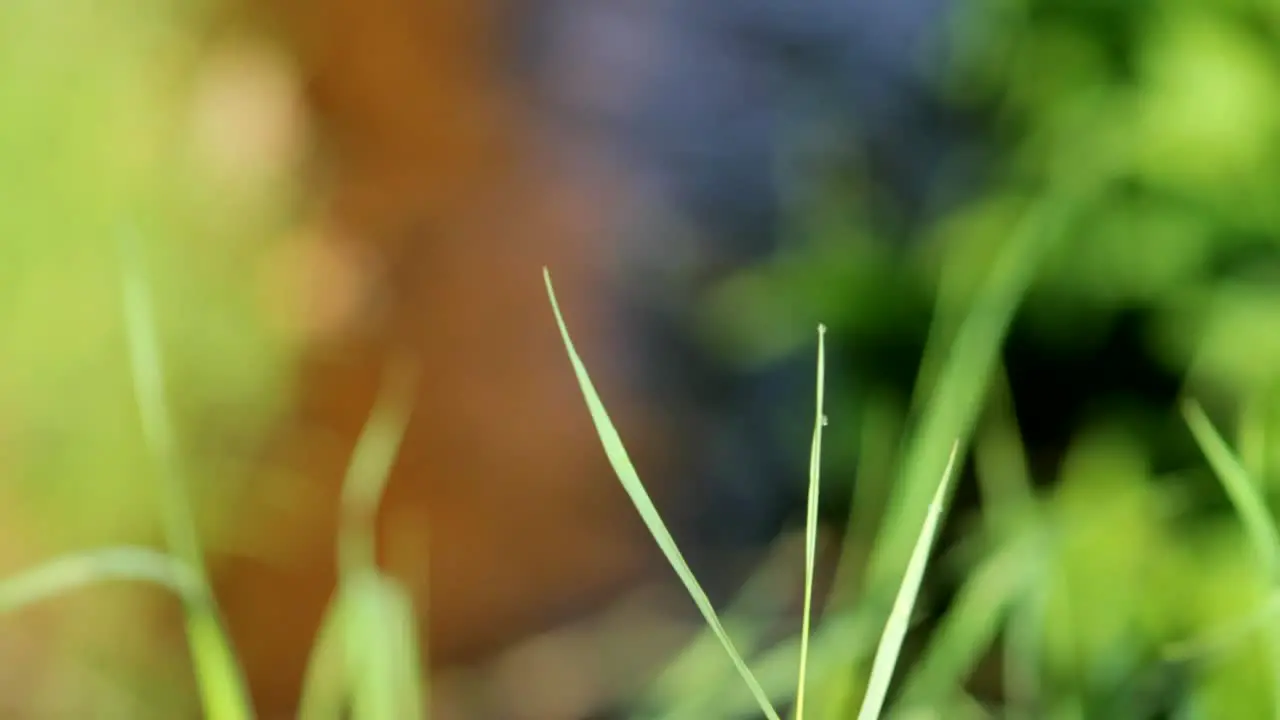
[(366, 655), (626, 473), (895, 630)]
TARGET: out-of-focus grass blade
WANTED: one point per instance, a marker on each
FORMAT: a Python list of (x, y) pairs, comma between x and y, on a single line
[(622, 466), (374, 455), (325, 686), (218, 675), (1023, 652), (882, 423), (896, 629), (1240, 488), (973, 623), (71, 572), (691, 685), (953, 408), (811, 524), (1004, 475), (1249, 503), (381, 631), (367, 642)]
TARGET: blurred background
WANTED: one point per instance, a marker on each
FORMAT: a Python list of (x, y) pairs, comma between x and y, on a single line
[(1037, 227)]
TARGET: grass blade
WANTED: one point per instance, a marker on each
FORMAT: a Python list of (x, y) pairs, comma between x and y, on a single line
[(630, 480), (899, 618), (1240, 488), (811, 524), (384, 670), (953, 407), (1252, 508), (218, 675), (71, 572), (366, 643), (973, 624)]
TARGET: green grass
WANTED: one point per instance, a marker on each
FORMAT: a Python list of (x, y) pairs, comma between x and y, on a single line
[(1246, 497), (895, 631), (366, 658), (218, 675), (630, 480), (367, 654), (367, 662)]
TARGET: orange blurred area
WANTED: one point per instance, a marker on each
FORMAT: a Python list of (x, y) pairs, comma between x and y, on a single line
[(362, 183)]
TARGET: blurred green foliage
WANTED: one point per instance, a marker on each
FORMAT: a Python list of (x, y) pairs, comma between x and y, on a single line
[(108, 135), (1156, 128), (1112, 580), (100, 141)]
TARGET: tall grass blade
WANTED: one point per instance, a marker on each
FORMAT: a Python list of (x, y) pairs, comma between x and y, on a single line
[(1240, 488), (1252, 508), (953, 408), (900, 617), (630, 480), (811, 524), (218, 675)]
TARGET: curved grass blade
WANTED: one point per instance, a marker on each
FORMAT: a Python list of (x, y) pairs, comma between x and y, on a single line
[(72, 572), (626, 473), (366, 645)]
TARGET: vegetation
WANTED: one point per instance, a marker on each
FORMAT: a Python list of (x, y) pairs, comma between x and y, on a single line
[(1119, 560)]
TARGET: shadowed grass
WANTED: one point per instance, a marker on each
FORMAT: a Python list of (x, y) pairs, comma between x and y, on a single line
[(995, 588), (218, 675), (955, 401)]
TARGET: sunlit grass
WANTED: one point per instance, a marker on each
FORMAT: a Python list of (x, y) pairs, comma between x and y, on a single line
[(218, 675)]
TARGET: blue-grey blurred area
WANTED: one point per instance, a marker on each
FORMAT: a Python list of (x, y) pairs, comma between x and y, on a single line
[(721, 121), (718, 112)]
